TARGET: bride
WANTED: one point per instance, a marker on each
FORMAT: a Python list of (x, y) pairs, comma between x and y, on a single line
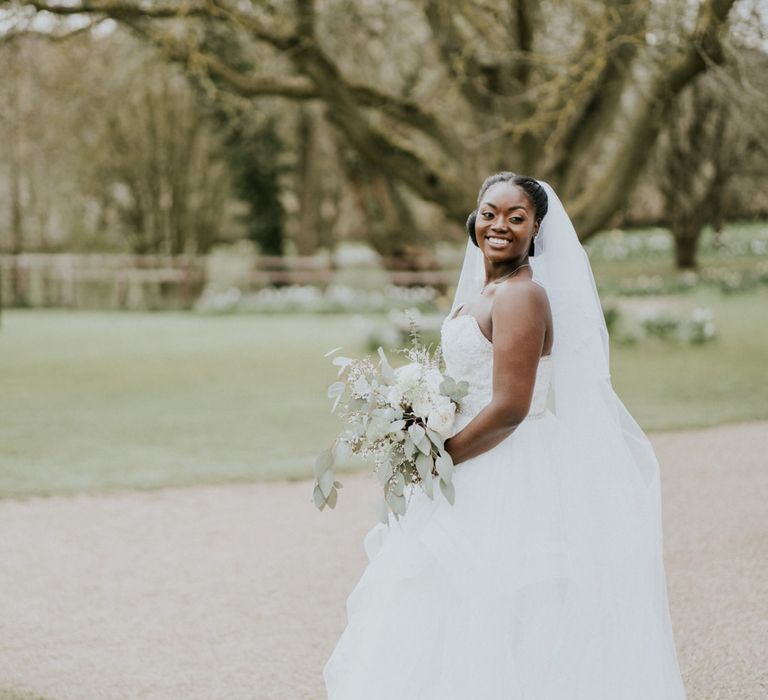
[(545, 580)]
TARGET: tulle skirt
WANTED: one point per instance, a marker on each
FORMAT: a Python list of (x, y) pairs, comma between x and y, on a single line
[(509, 594)]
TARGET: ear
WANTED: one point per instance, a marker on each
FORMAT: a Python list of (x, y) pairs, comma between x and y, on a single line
[(471, 227)]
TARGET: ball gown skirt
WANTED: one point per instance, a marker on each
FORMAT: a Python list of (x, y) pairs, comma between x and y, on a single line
[(491, 598)]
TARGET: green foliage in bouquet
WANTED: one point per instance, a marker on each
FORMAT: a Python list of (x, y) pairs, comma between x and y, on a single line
[(399, 419)]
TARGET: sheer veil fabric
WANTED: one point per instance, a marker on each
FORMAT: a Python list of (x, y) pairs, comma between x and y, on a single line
[(608, 467)]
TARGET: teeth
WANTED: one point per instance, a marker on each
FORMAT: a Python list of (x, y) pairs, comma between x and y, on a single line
[(500, 241)]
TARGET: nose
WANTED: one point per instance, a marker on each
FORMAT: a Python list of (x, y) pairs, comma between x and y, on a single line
[(499, 224)]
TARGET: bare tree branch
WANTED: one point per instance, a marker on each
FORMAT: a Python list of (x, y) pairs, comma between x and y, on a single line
[(371, 143), (457, 58), (525, 12), (242, 84), (126, 9), (305, 18), (122, 8), (295, 87), (54, 36), (255, 29), (596, 204), (593, 101)]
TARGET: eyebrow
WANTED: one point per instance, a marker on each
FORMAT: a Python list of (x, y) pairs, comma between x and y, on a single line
[(491, 204)]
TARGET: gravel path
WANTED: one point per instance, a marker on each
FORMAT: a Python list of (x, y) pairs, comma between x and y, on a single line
[(239, 591)]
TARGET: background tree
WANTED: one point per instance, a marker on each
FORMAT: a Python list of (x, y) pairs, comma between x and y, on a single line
[(160, 170), (253, 153), (131, 161), (435, 94), (711, 161), (693, 168)]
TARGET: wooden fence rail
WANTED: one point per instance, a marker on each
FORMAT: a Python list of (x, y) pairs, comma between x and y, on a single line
[(165, 282)]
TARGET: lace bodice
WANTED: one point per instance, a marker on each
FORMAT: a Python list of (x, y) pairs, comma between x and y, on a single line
[(469, 356)]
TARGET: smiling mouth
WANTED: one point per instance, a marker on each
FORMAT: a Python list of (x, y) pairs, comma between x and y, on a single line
[(497, 242)]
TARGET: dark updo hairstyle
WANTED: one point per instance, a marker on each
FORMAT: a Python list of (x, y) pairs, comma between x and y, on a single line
[(536, 193)]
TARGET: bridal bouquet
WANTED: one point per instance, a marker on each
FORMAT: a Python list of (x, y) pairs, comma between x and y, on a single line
[(398, 419)]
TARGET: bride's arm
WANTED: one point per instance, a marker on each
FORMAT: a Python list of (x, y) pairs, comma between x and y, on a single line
[(519, 326)]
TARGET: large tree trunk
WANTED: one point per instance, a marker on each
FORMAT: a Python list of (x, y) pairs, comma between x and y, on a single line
[(317, 198), (15, 183), (14, 157), (387, 217), (686, 236)]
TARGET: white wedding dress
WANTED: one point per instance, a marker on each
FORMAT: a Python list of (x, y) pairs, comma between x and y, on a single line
[(502, 596)]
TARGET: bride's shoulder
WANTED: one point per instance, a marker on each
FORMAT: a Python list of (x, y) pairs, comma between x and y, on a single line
[(513, 296)]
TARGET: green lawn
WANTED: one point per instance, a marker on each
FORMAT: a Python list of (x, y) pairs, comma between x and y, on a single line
[(96, 401), (668, 386)]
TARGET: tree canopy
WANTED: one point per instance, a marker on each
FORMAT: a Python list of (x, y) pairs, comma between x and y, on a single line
[(435, 94)]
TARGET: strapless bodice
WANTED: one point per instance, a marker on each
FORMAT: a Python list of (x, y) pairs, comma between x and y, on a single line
[(469, 356)]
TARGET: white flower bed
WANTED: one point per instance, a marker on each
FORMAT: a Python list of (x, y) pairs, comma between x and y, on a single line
[(311, 299)]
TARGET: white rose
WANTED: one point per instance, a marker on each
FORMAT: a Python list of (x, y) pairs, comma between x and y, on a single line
[(422, 405), (408, 375), (434, 379), (442, 418)]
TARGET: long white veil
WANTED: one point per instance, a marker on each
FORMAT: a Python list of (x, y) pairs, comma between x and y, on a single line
[(609, 475)]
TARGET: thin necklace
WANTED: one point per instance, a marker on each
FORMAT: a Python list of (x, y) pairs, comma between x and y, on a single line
[(503, 277)]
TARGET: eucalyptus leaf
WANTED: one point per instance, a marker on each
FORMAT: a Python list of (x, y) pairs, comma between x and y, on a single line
[(336, 389), (323, 462), (428, 485), (386, 414), (416, 433), (424, 465), (384, 472), (447, 386), (342, 452), (448, 490), (326, 483), (338, 485), (398, 484), (436, 438), (444, 466), (342, 363), (377, 428), (462, 390), (387, 373), (330, 352), (454, 390), (425, 446), (332, 498), (317, 496), (408, 447), (396, 503)]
